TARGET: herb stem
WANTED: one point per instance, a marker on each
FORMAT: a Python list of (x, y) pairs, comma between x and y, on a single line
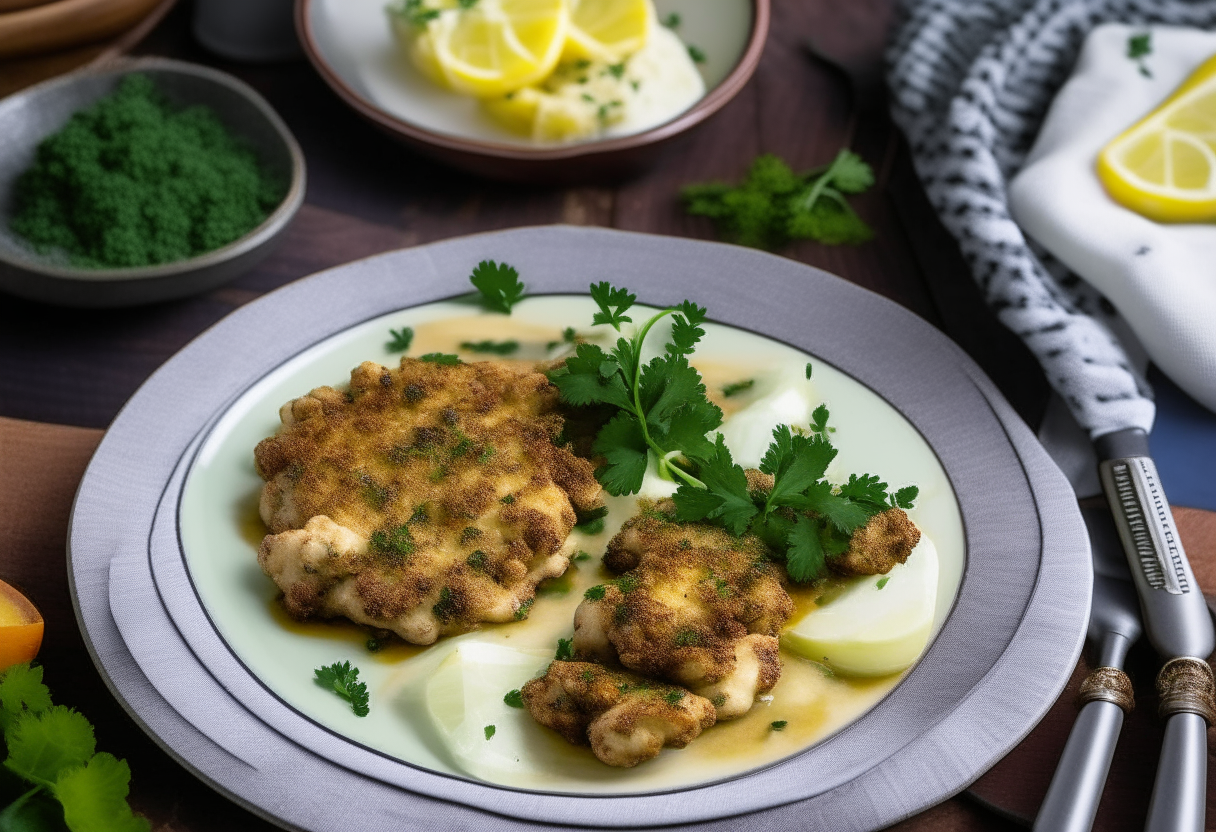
[(666, 460)]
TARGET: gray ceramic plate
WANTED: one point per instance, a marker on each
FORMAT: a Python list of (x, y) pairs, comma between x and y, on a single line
[(997, 664), (27, 117)]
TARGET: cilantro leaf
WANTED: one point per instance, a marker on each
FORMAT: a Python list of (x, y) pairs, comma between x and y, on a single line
[(774, 205), (41, 746), (687, 427), (499, 285), (841, 512), (21, 691), (805, 560), (613, 304), (493, 347), (819, 420), (667, 383), (865, 489), (795, 461), (514, 699), (565, 650), (685, 332), (490, 730), (905, 497), (725, 498), (737, 387), (401, 339), (343, 679), (583, 380), (624, 449), (94, 797), (441, 358), (849, 173)]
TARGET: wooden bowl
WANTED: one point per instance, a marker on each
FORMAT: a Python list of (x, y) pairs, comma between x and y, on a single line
[(28, 117), (351, 45)]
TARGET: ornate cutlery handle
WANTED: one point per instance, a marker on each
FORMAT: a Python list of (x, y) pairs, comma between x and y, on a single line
[(1076, 787), (1188, 703)]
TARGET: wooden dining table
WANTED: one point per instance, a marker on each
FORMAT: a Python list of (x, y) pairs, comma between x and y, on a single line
[(66, 373)]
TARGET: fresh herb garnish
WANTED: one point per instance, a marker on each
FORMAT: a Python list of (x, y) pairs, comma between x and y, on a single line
[(775, 205), (499, 285), (343, 679), (882, 581), (514, 699), (697, 55), (493, 347), (672, 21), (1138, 47), (52, 749), (673, 697), (401, 339), (416, 13), (565, 650), (522, 612), (738, 387), (441, 358), (617, 71), (779, 725), (662, 408), (580, 555), (490, 729), (803, 518), (595, 593)]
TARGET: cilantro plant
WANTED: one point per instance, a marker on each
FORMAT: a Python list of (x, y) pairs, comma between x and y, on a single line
[(1138, 48), (53, 776), (802, 517), (499, 285), (343, 679), (401, 339), (661, 405), (775, 205)]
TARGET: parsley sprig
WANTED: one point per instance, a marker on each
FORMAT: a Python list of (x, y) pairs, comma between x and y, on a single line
[(775, 205), (343, 679), (803, 517), (53, 759), (662, 407), (499, 285)]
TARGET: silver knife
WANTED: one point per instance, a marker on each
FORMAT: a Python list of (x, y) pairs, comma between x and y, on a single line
[(1114, 625), (1176, 620)]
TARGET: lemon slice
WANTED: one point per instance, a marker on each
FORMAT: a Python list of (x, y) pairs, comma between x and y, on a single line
[(489, 47), (1164, 166), (607, 30)]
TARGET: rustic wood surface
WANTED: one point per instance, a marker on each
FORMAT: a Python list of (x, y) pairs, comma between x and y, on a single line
[(368, 194)]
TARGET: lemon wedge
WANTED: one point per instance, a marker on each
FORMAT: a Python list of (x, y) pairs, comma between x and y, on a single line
[(488, 47), (879, 625), (607, 30), (1164, 166)]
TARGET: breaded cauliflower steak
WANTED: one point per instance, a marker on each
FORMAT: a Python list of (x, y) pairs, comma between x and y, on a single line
[(424, 500), (694, 605), (625, 719)]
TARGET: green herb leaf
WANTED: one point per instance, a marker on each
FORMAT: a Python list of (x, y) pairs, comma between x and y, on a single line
[(41, 746), (905, 498), (492, 347), (490, 730), (778, 725), (343, 679), (565, 650), (805, 559), (595, 593), (21, 692), (624, 449), (882, 581), (441, 358), (401, 339), (672, 21), (514, 699), (94, 797), (499, 285), (725, 499), (613, 304), (697, 55), (738, 387), (796, 462)]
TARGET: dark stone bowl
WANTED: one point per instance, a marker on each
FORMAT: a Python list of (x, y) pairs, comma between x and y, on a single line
[(27, 117)]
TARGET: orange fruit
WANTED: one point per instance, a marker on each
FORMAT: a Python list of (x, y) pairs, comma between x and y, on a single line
[(20, 628)]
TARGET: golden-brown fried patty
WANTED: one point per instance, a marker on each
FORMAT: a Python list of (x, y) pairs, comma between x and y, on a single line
[(624, 718), (694, 605), (422, 500)]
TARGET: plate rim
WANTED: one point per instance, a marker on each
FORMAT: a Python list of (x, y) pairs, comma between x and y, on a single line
[(1008, 424)]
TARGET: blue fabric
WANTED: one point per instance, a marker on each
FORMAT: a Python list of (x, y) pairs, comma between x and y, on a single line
[(1183, 444)]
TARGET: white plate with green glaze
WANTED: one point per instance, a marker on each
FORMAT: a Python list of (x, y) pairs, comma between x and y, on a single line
[(184, 625)]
